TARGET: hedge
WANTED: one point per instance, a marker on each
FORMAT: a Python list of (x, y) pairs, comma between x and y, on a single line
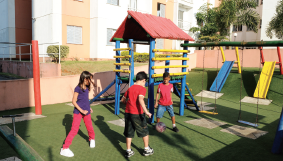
[(53, 52), (144, 57)]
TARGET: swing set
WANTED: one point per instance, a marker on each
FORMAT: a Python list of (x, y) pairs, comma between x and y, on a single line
[(265, 74)]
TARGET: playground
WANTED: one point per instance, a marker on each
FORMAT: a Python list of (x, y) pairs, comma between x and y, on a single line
[(46, 135), (230, 112)]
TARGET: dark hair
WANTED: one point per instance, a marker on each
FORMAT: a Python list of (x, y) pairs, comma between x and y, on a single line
[(166, 74), (141, 76), (84, 75)]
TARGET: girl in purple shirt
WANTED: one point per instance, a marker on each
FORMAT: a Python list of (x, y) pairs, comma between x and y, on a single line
[(81, 110)]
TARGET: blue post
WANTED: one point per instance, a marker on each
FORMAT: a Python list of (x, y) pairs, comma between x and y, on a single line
[(167, 62), (117, 85), (278, 140), (150, 101), (131, 60), (182, 97)]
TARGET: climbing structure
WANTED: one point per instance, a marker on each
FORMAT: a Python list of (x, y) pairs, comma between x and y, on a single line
[(138, 28)]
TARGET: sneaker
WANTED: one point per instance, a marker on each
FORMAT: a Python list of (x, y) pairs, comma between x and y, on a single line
[(148, 151), (66, 152), (129, 153), (175, 129), (92, 143)]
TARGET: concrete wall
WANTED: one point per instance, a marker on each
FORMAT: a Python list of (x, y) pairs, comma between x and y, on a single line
[(251, 57), (25, 69), (53, 90)]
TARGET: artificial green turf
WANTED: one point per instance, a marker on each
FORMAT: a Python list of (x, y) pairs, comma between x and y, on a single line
[(46, 135)]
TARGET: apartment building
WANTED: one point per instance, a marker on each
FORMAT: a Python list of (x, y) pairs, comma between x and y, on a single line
[(266, 10)]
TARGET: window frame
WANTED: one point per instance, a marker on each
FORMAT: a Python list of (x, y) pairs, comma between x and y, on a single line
[(108, 43), (113, 3)]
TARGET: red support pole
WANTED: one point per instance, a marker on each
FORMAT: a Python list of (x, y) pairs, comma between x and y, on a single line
[(280, 60), (261, 54), (36, 77)]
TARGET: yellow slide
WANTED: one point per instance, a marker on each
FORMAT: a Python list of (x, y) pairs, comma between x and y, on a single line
[(264, 79)]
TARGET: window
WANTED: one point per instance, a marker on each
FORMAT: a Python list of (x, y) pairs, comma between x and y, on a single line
[(114, 2), (240, 27), (237, 28), (160, 10), (110, 33), (74, 35), (180, 19), (261, 1), (159, 43), (133, 5), (260, 23)]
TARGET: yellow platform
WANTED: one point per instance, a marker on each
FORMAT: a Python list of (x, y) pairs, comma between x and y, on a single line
[(264, 79)]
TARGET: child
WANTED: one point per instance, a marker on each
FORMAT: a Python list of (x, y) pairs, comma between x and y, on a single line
[(134, 115), (165, 102), (81, 110)]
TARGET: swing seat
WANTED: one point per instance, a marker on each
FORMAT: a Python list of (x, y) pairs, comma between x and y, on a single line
[(208, 112), (248, 123)]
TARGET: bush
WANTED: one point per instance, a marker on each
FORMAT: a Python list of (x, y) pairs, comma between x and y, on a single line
[(53, 52), (144, 57)]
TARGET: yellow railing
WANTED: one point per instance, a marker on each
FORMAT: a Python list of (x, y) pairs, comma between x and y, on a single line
[(127, 56), (123, 64), (170, 50), (122, 71), (170, 66), (171, 74), (173, 58), (120, 49), (181, 83)]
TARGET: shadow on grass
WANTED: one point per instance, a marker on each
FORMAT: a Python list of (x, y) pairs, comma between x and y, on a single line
[(249, 82), (114, 137)]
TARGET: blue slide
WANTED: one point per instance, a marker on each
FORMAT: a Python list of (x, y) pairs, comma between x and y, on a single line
[(222, 76)]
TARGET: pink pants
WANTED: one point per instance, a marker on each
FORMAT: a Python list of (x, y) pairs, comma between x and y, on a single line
[(75, 128)]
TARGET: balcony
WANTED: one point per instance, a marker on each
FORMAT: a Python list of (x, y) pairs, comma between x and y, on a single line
[(184, 25)]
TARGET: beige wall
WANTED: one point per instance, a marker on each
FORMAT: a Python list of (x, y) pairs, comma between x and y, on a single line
[(251, 57), (25, 69), (76, 13), (53, 90), (169, 13)]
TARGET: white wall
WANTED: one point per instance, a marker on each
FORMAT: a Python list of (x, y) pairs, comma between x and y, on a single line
[(47, 23), (7, 27), (105, 16), (268, 11)]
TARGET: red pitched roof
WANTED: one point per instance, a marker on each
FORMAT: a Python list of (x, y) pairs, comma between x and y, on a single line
[(140, 25)]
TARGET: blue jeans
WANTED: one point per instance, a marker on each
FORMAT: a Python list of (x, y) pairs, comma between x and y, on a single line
[(161, 109)]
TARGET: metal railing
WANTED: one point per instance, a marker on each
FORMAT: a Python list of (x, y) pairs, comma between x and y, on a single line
[(184, 25), (9, 51)]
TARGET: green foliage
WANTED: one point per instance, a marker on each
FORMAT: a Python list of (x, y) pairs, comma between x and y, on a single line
[(144, 57), (214, 23), (53, 52), (275, 26)]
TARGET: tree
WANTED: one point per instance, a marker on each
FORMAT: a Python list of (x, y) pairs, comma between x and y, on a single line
[(207, 26), (237, 12), (275, 26), (214, 23)]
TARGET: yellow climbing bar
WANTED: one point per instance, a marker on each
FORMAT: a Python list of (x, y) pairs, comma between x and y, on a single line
[(185, 89), (123, 64), (120, 49), (208, 112), (222, 53), (170, 50), (238, 60), (181, 83), (127, 56), (171, 74), (173, 58), (122, 71), (189, 95), (170, 66)]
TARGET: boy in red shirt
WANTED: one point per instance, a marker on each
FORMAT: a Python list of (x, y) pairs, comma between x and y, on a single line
[(165, 102), (135, 115)]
